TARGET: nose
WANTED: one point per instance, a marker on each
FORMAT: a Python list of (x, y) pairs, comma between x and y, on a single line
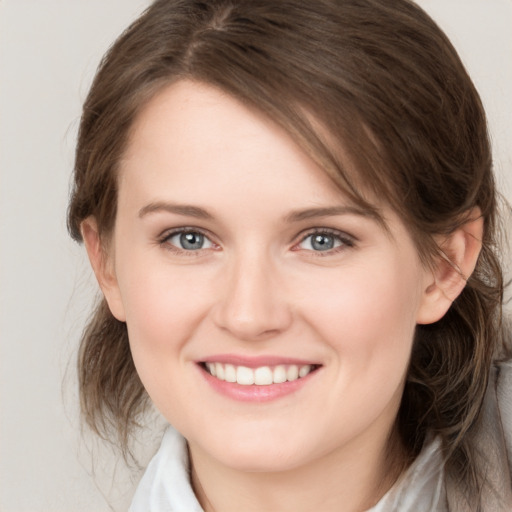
[(252, 302)]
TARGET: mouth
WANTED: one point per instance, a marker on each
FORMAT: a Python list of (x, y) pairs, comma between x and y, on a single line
[(259, 376)]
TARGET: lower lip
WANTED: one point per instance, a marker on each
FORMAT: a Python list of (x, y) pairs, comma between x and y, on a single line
[(255, 393)]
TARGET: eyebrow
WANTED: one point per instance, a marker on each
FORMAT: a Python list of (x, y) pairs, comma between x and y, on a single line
[(197, 212), (310, 213), (180, 209)]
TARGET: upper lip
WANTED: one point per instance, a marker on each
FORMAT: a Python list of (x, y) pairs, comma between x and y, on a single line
[(256, 361)]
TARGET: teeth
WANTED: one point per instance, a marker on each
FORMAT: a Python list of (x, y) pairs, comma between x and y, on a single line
[(279, 374), (292, 373), (219, 371), (304, 370), (244, 376), (262, 376), (230, 373), (211, 368)]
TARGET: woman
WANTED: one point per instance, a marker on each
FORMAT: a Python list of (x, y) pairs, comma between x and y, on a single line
[(290, 210)]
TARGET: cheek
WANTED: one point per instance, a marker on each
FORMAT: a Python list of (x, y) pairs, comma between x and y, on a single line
[(163, 305), (367, 314), (163, 311)]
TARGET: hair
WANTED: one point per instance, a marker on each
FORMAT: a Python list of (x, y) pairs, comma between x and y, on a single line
[(380, 79)]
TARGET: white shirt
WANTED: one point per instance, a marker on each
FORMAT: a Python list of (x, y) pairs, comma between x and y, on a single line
[(165, 486)]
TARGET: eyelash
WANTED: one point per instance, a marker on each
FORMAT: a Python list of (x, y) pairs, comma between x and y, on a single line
[(164, 241), (346, 241)]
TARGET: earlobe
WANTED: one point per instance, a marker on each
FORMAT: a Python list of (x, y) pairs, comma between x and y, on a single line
[(456, 262), (103, 267)]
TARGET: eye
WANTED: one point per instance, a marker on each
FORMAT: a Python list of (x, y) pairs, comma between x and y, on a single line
[(188, 240), (325, 241)]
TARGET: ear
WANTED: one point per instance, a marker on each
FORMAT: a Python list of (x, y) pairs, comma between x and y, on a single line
[(458, 258), (103, 265)]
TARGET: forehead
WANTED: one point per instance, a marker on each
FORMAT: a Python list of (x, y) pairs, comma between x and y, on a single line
[(194, 143), (193, 131), (194, 120)]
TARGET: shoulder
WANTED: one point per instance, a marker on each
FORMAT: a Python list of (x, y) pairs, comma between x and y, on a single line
[(165, 485), (491, 440), (503, 391)]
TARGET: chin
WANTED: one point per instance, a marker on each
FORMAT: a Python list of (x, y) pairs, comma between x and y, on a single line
[(261, 461), (256, 454)]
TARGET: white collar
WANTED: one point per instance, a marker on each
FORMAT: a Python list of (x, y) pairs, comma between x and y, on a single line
[(165, 485), (421, 488)]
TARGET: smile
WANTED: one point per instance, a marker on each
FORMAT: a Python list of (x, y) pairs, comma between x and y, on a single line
[(260, 376)]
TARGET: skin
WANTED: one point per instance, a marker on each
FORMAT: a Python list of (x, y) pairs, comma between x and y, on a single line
[(258, 287)]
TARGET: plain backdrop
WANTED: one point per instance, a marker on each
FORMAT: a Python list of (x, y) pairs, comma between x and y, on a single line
[(49, 50)]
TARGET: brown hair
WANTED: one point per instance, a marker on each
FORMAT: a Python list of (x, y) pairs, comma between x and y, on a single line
[(383, 81)]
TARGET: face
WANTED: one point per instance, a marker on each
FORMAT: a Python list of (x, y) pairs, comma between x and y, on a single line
[(270, 320)]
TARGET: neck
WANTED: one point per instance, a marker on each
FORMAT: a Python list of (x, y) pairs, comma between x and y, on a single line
[(353, 480)]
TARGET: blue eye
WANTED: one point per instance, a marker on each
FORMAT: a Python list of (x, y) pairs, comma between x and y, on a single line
[(323, 241), (189, 240)]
